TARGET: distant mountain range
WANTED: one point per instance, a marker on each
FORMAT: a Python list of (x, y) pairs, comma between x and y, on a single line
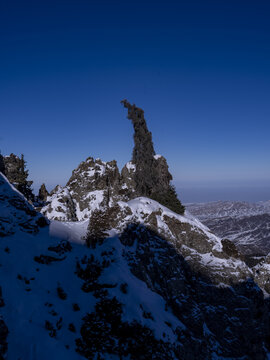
[(246, 224)]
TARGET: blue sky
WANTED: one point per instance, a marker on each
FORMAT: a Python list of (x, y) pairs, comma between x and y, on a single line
[(199, 69)]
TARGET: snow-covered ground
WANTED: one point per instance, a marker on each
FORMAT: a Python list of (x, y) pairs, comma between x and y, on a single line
[(48, 289), (246, 224)]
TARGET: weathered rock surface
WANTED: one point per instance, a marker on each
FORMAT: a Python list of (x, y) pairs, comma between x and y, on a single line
[(43, 193), (15, 211), (95, 183), (152, 177), (60, 205), (13, 167), (202, 250), (203, 281)]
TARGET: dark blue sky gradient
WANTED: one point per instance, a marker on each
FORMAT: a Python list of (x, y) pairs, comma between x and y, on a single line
[(200, 70)]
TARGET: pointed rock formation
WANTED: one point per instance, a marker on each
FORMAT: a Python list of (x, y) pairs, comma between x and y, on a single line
[(152, 177), (43, 193), (96, 184)]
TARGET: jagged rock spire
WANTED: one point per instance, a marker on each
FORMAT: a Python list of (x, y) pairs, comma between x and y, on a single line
[(43, 193), (143, 145), (152, 176), (143, 151)]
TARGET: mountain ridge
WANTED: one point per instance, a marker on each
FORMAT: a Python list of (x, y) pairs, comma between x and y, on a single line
[(139, 293), (116, 274)]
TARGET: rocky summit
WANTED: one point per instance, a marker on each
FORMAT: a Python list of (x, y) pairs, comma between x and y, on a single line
[(96, 183), (122, 271)]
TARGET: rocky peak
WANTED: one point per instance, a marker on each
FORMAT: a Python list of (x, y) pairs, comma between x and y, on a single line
[(43, 193), (152, 177), (95, 184), (93, 175)]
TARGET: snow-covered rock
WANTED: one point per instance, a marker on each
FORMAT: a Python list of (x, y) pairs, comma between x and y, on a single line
[(60, 205), (93, 184), (158, 286), (15, 211)]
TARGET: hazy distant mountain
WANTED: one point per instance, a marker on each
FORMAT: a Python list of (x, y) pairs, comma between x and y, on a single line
[(246, 224)]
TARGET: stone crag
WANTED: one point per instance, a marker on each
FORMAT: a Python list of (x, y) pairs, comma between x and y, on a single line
[(13, 167), (43, 193), (152, 177), (99, 184)]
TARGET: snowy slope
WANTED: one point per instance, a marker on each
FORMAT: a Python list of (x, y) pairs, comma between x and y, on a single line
[(15, 211), (159, 287), (246, 224)]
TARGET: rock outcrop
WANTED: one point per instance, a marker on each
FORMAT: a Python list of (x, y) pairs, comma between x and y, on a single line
[(96, 184), (14, 168), (16, 213), (43, 193), (60, 206), (152, 177), (2, 164)]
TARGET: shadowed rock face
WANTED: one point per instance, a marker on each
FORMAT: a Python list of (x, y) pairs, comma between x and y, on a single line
[(16, 213), (147, 173), (43, 193), (3, 338), (13, 167), (152, 177), (143, 146), (143, 151), (2, 164), (214, 321)]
